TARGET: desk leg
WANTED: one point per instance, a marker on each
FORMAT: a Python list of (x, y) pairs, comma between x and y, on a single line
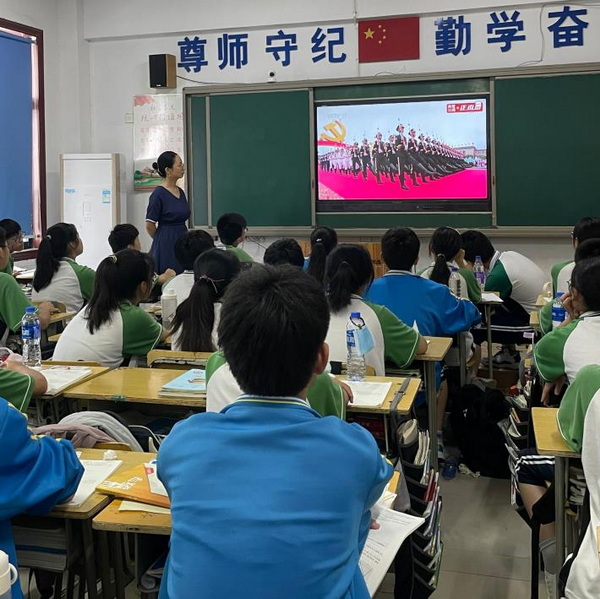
[(431, 394), (104, 563), (488, 323), (561, 466), (116, 540), (386, 432), (462, 358), (89, 559)]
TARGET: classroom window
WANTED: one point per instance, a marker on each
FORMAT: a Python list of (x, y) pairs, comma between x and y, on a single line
[(22, 151)]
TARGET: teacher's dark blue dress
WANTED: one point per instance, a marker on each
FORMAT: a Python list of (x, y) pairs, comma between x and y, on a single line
[(169, 213)]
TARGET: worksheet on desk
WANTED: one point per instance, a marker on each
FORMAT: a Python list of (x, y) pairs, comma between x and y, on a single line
[(95, 472), (491, 298), (368, 394)]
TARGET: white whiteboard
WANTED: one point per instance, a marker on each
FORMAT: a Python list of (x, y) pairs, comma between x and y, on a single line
[(91, 201)]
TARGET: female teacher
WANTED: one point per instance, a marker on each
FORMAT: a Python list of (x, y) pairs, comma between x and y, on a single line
[(168, 209)]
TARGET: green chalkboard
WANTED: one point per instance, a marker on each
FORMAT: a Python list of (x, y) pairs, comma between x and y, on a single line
[(547, 149), (197, 157)]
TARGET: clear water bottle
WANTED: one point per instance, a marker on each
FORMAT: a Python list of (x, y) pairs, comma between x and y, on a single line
[(8, 576), (559, 314), (168, 303), (454, 282), (479, 272), (30, 334), (355, 364)]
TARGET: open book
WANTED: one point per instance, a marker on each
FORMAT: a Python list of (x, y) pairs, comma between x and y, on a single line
[(61, 377)]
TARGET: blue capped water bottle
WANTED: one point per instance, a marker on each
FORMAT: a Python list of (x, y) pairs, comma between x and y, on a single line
[(31, 334), (355, 363), (559, 313)]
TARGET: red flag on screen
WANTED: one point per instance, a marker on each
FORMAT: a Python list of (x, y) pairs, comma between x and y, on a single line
[(380, 40)]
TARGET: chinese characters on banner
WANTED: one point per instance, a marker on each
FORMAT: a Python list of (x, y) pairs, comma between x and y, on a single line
[(157, 126)]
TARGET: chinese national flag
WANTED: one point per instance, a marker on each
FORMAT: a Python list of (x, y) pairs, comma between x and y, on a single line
[(380, 40)]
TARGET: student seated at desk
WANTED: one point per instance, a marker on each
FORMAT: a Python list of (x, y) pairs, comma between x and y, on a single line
[(284, 251), (197, 318), (348, 274), (58, 278), (14, 241), (279, 496), (587, 228), (127, 237), (519, 282), (19, 383), (36, 474), (12, 300), (322, 241), (187, 248), (112, 326), (232, 229)]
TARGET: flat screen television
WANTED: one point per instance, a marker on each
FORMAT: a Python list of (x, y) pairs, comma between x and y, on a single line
[(414, 155)]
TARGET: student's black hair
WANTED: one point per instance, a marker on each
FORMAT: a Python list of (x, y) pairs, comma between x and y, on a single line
[(122, 236), (587, 228), (117, 279), (400, 248), (11, 227), (590, 248), (163, 162), (586, 279), (349, 268), (230, 227), (475, 244), (322, 241), (190, 245), (54, 247), (213, 271), (284, 251), (273, 322), (445, 243), (2, 237)]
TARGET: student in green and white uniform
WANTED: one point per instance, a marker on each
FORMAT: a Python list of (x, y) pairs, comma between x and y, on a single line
[(232, 229), (587, 228), (14, 241), (58, 278), (112, 326), (349, 273), (565, 350), (18, 384), (326, 395)]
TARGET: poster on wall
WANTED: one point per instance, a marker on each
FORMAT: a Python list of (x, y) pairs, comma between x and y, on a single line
[(157, 127)]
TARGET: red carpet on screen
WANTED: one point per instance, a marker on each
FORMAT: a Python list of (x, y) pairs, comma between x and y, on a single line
[(468, 184)]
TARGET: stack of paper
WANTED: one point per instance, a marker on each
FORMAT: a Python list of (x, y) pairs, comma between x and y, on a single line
[(368, 394), (95, 472), (61, 377), (190, 384)]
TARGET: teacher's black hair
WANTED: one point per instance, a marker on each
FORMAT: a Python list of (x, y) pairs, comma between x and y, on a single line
[(163, 162)]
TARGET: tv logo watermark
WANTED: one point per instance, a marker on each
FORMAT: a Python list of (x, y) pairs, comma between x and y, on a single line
[(455, 107)]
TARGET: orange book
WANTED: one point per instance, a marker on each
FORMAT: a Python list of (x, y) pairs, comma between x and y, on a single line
[(133, 485)]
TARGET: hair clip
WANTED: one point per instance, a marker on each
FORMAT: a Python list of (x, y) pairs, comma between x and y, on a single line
[(441, 256), (318, 240), (113, 258), (49, 237), (209, 280)]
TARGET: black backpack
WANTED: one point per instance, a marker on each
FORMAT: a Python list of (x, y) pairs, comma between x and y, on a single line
[(474, 419)]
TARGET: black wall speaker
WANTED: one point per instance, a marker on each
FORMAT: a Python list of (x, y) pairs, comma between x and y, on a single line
[(162, 70)]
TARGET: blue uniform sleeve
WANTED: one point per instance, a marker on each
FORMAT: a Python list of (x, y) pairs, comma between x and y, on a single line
[(154, 210), (455, 315), (37, 472)]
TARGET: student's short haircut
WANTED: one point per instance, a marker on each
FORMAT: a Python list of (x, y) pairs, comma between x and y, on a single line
[(230, 227), (284, 251), (587, 228), (122, 236), (10, 226), (586, 279), (273, 322), (190, 245), (400, 248), (476, 244), (590, 248), (2, 237)]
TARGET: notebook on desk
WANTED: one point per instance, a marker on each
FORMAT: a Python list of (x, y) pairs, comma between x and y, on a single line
[(61, 377), (190, 384)]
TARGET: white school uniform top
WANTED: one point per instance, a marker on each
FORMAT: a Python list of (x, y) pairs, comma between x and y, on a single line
[(129, 332), (175, 343), (71, 284), (182, 284)]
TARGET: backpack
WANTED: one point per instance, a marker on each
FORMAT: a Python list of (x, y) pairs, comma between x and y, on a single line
[(474, 420)]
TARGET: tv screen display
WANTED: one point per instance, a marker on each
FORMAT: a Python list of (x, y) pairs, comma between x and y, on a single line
[(403, 156)]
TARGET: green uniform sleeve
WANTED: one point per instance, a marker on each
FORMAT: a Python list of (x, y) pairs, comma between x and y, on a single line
[(140, 331), (549, 352), (401, 341), (85, 276), (326, 397), (546, 318), (498, 280), (213, 364), (12, 302), (575, 403), (554, 272), (10, 266), (241, 254), (16, 387), (473, 288)]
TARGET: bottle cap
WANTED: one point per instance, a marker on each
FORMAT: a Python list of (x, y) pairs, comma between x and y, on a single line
[(560, 293), (477, 257), (170, 292), (354, 314), (30, 309), (455, 269)]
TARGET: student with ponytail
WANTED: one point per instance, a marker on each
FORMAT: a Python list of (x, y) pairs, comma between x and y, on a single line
[(446, 248), (196, 320), (112, 326), (348, 274), (322, 241), (58, 277)]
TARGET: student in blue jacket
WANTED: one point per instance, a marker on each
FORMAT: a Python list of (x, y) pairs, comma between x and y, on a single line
[(268, 498), (36, 474)]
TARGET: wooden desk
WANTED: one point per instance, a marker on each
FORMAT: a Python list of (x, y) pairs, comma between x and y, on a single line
[(110, 519), (542, 300), (549, 441), (96, 371), (177, 360), (137, 385), (60, 317), (436, 351), (404, 405), (534, 319)]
